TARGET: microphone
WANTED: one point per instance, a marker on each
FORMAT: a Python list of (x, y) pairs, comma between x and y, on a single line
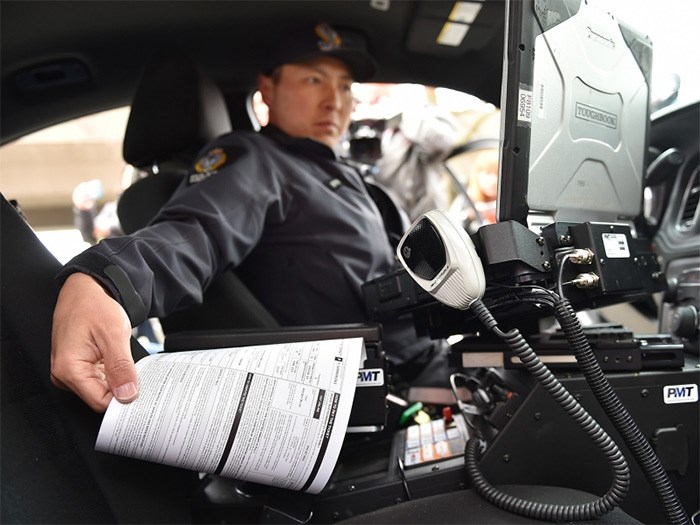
[(439, 255)]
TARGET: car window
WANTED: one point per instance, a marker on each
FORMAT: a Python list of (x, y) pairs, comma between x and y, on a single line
[(46, 171), (672, 27), (416, 137), (42, 170)]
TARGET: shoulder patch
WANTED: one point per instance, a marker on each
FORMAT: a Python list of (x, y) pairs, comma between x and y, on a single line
[(207, 165)]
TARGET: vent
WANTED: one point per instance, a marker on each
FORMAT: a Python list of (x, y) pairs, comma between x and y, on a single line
[(689, 210)]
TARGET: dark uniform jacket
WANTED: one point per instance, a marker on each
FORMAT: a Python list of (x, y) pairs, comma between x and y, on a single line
[(298, 224)]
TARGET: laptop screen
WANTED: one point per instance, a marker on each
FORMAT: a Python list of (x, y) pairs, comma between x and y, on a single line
[(575, 113)]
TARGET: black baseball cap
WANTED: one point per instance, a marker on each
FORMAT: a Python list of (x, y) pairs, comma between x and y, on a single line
[(305, 43)]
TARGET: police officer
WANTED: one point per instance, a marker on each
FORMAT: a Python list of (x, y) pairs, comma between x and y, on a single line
[(297, 222)]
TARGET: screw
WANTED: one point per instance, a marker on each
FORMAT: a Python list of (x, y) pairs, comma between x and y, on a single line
[(537, 416), (602, 262), (336, 515), (546, 265), (506, 458), (645, 393), (540, 241)]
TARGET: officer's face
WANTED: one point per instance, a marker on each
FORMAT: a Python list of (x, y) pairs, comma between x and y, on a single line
[(311, 100)]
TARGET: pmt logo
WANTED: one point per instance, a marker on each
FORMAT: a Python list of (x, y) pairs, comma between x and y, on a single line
[(680, 394), (598, 116), (370, 377)]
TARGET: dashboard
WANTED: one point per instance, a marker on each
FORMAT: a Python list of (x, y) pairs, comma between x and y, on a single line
[(674, 213)]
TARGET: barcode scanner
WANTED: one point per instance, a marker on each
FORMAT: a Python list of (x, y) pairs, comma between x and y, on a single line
[(439, 255)]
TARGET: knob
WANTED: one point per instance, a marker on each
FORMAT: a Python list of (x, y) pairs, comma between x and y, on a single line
[(684, 321), (671, 293)]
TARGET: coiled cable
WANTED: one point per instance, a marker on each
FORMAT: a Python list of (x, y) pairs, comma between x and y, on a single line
[(618, 415), (549, 512)]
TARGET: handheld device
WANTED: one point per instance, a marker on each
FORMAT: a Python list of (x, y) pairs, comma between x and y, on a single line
[(439, 255)]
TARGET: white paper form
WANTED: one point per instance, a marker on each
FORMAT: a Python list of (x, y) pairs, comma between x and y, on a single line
[(272, 414)]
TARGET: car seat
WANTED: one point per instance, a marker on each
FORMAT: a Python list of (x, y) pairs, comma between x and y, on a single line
[(50, 471), (176, 110)]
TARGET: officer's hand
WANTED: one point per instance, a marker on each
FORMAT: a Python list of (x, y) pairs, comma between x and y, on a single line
[(90, 344)]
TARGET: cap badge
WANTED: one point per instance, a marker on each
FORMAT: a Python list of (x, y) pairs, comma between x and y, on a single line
[(330, 39)]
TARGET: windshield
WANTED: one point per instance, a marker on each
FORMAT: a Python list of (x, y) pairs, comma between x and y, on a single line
[(672, 27)]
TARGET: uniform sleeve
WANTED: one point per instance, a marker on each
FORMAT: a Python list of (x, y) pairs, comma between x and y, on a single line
[(213, 221)]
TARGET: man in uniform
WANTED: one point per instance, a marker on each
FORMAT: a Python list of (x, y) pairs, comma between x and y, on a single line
[(296, 221)]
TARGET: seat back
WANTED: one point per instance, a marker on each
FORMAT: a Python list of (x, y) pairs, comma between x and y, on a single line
[(50, 471), (177, 109)]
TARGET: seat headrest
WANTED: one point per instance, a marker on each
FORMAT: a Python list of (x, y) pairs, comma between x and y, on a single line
[(175, 111)]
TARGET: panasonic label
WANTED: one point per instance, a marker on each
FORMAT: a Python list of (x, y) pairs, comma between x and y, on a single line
[(370, 377), (674, 394), (600, 39)]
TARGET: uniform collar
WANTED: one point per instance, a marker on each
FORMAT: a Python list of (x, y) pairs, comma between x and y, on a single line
[(307, 146)]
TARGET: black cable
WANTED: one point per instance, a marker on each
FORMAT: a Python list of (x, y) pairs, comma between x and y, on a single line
[(614, 409), (535, 294), (549, 512), (618, 415), (606, 397)]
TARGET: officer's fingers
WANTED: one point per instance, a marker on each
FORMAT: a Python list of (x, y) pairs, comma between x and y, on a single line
[(90, 386), (120, 374), (58, 383), (90, 352), (113, 339), (76, 366)]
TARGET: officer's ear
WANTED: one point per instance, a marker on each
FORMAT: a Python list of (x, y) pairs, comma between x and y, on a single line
[(265, 86)]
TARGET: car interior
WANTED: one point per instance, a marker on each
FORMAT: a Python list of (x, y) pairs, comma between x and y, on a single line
[(161, 140), (187, 71)]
